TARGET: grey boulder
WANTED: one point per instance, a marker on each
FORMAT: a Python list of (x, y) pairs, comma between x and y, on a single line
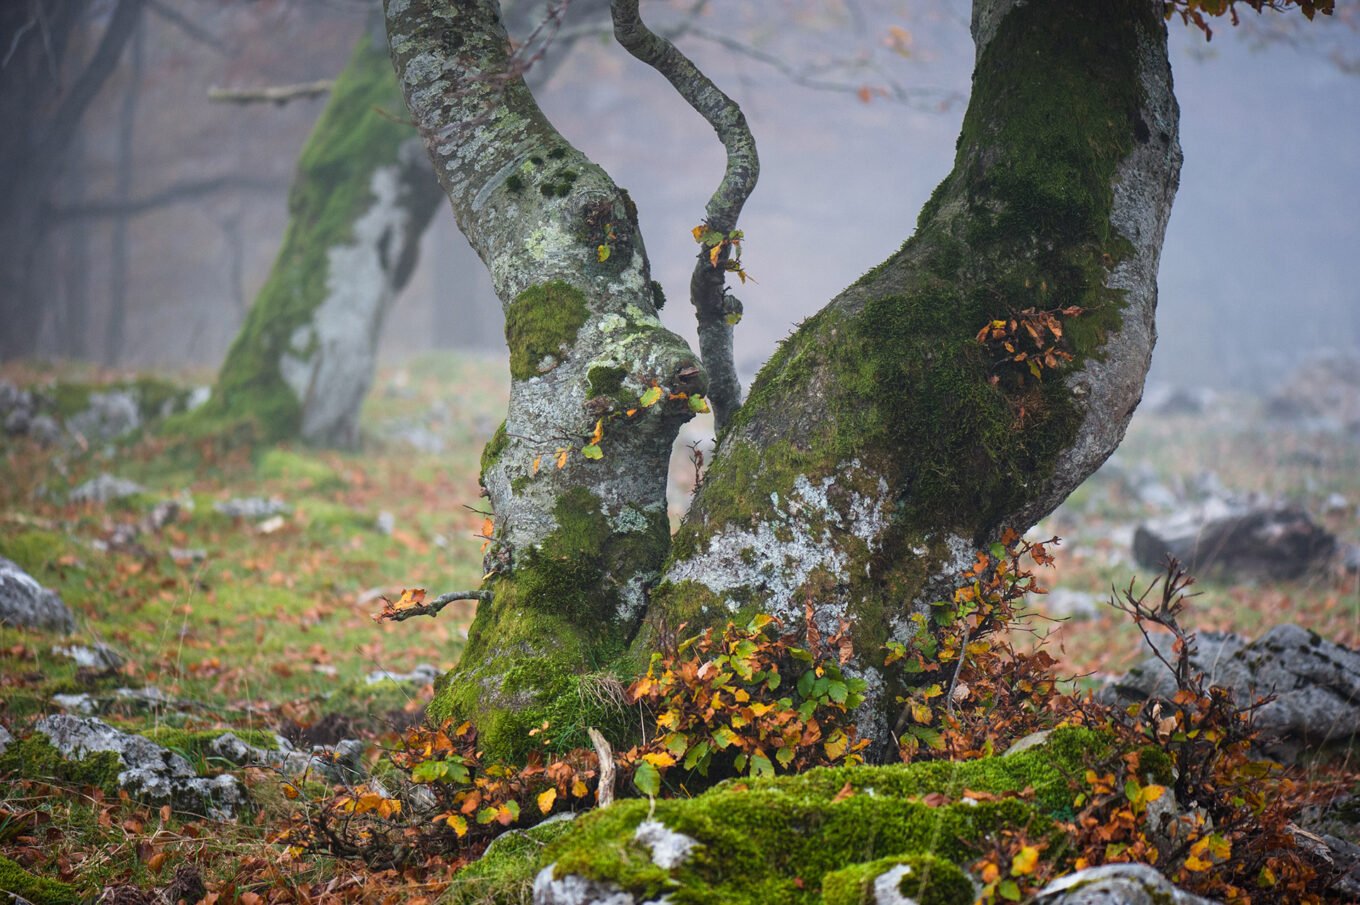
[(1270, 543), (105, 489), (26, 604), (150, 773), (1315, 683), (1117, 884), (109, 415)]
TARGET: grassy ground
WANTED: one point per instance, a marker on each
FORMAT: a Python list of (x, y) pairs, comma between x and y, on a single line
[(271, 628)]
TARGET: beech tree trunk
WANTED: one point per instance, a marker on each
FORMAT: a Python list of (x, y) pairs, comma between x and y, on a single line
[(363, 194), (881, 445)]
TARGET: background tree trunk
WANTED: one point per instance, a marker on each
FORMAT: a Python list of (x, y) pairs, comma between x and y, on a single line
[(362, 196)]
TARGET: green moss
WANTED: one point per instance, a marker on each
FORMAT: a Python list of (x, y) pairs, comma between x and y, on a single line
[(35, 758), (306, 471), (605, 381), (37, 890), (505, 874), (540, 323), (330, 191), (514, 183), (893, 373), (929, 881), (547, 639), (72, 398), (33, 551), (804, 839), (493, 450)]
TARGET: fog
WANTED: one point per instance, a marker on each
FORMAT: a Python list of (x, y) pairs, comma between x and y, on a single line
[(1259, 271)]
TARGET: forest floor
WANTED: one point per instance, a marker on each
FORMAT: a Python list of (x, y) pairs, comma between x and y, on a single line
[(266, 623)]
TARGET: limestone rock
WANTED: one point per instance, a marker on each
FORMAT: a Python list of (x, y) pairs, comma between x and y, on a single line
[(1268, 542), (1117, 884), (26, 604), (150, 773), (341, 762), (109, 415), (252, 507), (100, 656), (105, 489), (1316, 683)]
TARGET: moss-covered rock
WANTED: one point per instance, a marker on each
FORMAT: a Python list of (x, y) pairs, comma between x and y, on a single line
[(38, 890), (824, 836)]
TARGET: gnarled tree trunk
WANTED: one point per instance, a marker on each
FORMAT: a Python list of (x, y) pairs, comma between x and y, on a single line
[(883, 443)]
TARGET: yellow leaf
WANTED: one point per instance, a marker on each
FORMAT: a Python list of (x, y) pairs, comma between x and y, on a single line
[(562, 458), (651, 397), (488, 525), (659, 759), (835, 745), (455, 822), (537, 460), (698, 233), (598, 435), (546, 800), (409, 598), (290, 791), (713, 254), (1024, 862), (579, 789), (1197, 865), (602, 253)]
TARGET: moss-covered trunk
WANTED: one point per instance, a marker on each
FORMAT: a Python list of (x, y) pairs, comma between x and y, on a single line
[(362, 196), (576, 476), (884, 443)]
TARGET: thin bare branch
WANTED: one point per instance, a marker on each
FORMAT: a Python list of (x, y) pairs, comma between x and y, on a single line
[(188, 190), (714, 308), (272, 94), (433, 607)]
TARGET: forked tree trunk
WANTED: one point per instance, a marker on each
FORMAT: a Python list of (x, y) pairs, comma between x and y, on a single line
[(883, 443), (362, 196)]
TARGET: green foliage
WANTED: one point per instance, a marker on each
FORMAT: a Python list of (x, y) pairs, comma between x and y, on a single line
[(541, 324), (748, 702)]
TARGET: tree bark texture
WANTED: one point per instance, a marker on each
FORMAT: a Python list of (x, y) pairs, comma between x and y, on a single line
[(883, 443), (575, 482), (362, 196)]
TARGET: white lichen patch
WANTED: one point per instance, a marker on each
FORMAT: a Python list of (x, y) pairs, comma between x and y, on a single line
[(806, 533), (669, 849), (888, 886)]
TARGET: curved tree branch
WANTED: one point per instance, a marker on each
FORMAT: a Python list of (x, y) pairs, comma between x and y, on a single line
[(715, 310)]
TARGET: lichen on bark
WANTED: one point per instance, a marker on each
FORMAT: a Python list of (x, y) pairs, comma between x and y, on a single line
[(1062, 182)]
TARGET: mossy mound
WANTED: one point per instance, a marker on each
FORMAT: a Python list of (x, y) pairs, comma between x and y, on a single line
[(298, 469), (824, 836), (35, 758), (38, 890)]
